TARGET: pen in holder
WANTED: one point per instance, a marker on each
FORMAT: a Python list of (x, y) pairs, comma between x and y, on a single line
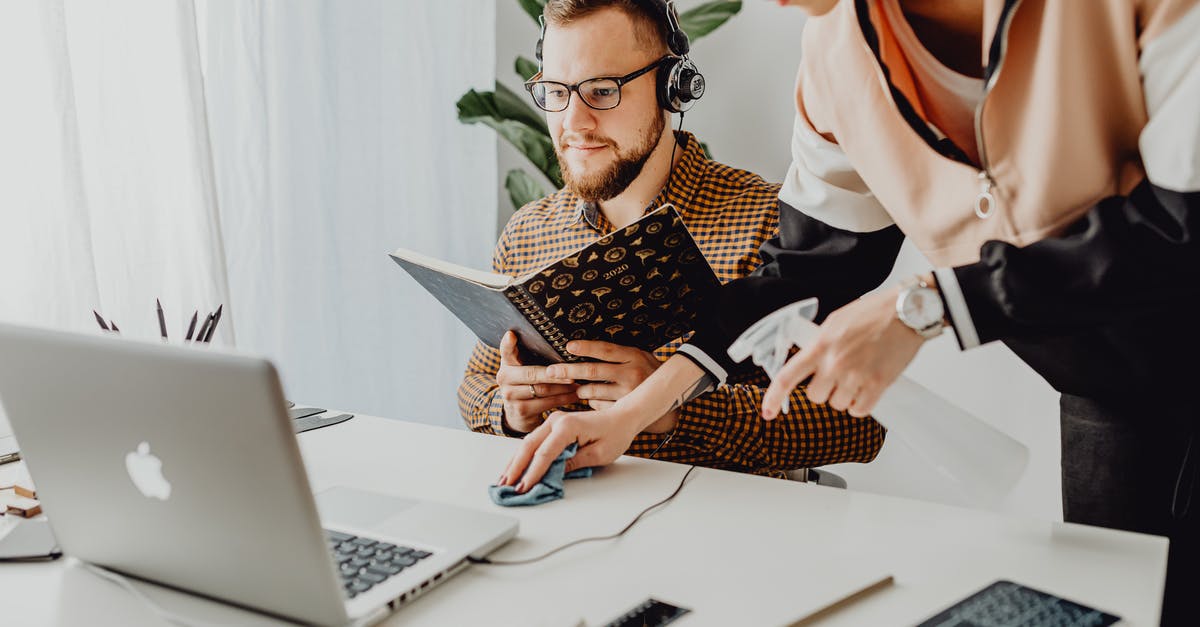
[(201, 336), (983, 462)]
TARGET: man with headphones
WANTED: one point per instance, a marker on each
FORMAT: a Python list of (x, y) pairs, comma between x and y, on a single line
[(612, 74)]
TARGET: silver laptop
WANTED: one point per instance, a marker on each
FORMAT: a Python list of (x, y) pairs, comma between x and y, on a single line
[(179, 466)]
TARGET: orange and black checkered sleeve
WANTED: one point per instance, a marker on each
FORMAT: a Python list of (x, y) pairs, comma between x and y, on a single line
[(478, 399), (725, 429)]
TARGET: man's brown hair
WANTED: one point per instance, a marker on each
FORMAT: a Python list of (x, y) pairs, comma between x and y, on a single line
[(649, 22)]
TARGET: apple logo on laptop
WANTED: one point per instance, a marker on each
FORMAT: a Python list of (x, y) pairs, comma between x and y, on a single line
[(145, 469)]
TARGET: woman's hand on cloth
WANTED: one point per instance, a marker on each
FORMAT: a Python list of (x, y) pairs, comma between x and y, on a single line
[(603, 436)]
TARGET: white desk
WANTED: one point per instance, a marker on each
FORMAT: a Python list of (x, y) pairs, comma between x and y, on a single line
[(736, 549)]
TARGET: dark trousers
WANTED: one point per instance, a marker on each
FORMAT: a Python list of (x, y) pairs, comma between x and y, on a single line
[(1134, 468)]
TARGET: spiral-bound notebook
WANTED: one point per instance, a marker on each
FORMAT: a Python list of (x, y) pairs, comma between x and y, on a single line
[(638, 286)]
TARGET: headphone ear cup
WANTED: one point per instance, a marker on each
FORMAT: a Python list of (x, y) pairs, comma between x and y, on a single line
[(690, 83), (666, 87), (680, 85)]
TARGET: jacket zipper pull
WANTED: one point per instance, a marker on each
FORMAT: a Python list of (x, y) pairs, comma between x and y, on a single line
[(985, 202)]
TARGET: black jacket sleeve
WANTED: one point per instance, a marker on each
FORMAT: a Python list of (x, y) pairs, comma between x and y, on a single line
[(1126, 258)]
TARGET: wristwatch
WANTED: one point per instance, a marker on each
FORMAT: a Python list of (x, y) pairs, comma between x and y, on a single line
[(920, 308)]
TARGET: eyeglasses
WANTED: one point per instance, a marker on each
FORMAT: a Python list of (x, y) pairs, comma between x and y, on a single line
[(601, 93)]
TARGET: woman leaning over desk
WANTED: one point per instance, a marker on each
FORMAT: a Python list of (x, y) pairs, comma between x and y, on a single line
[(1045, 157)]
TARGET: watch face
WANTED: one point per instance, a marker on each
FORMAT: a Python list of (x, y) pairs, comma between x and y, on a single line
[(922, 307)]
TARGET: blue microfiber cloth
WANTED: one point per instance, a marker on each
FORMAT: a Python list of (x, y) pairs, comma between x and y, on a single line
[(550, 488)]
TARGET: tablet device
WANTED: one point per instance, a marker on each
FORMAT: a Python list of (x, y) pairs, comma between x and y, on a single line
[(1015, 605)]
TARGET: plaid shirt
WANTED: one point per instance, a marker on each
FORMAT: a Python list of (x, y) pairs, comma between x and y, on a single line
[(731, 213)]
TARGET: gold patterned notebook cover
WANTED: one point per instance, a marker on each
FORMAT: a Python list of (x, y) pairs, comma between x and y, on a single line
[(639, 286)]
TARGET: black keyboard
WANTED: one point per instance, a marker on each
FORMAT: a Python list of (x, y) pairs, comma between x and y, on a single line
[(364, 563)]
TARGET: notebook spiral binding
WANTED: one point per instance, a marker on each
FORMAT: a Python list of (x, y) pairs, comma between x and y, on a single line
[(541, 321)]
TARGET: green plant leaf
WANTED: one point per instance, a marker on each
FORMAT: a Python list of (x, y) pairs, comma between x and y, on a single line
[(533, 8), (516, 122), (522, 189), (513, 106), (525, 68), (704, 19)]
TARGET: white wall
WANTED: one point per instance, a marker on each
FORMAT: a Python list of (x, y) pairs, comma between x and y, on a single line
[(745, 117)]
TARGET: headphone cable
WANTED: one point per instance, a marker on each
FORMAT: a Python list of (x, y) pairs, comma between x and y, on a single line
[(674, 146)]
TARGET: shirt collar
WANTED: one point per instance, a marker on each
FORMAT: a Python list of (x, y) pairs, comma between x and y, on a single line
[(677, 192)]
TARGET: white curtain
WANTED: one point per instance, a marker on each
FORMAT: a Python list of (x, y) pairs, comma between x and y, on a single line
[(106, 189), (261, 154)]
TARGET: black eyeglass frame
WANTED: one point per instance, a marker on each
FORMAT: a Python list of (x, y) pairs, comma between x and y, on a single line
[(621, 81)]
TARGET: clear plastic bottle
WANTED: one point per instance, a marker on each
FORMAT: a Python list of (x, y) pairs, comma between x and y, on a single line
[(983, 462)]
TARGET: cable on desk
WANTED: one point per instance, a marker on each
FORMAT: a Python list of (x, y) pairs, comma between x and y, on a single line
[(490, 562)]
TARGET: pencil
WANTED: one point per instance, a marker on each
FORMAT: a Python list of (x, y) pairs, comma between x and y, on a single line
[(192, 326), (162, 322), (204, 328), (837, 605), (216, 318)]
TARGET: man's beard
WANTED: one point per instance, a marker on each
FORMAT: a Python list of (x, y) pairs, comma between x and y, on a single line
[(613, 179)]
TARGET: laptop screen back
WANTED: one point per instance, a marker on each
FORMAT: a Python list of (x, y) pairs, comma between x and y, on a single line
[(173, 464)]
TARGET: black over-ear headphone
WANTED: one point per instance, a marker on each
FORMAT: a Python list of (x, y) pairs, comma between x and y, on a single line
[(679, 83)]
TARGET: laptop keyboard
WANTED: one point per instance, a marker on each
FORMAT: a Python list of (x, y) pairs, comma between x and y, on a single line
[(364, 563)]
